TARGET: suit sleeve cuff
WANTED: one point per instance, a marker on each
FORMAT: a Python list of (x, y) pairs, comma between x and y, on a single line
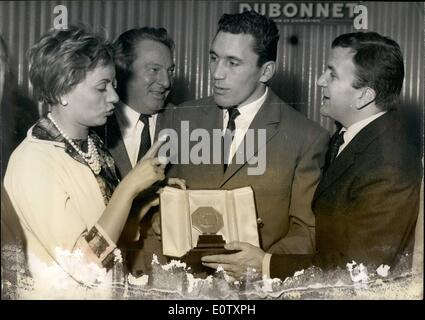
[(266, 265)]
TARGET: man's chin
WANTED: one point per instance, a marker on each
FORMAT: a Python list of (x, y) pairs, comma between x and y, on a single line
[(155, 108), (224, 103), (324, 111)]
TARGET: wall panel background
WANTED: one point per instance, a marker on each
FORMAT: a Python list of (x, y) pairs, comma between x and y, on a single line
[(302, 50)]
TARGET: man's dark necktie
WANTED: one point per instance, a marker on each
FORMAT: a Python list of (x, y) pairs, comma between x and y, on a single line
[(229, 133), (145, 138), (337, 141)]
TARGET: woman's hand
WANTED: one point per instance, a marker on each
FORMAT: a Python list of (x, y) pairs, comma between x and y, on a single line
[(143, 176), (147, 171)]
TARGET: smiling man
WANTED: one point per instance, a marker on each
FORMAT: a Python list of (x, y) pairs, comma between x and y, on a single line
[(242, 61), (366, 204), (144, 72)]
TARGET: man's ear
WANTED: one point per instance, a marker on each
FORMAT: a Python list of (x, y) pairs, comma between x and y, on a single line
[(267, 71), (366, 96)]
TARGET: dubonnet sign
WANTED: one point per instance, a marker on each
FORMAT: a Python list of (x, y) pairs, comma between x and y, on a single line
[(307, 12)]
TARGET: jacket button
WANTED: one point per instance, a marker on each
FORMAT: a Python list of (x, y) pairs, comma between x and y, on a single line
[(260, 222)]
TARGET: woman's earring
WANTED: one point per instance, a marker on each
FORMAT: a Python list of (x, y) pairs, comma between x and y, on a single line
[(64, 102)]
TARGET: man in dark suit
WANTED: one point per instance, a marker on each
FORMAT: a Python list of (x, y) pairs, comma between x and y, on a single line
[(283, 168), (366, 204), (144, 72)]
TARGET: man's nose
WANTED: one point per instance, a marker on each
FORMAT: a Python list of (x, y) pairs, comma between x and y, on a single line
[(164, 79), (218, 71), (322, 80)]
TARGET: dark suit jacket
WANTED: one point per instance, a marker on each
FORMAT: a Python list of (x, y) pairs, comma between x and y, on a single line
[(366, 204), (295, 148), (138, 255)]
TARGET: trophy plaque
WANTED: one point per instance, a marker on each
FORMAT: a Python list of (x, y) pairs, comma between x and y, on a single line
[(208, 222)]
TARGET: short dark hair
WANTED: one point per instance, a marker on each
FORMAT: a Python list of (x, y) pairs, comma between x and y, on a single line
[(263, 29), (61, 59), (379, 65), (125, 49)]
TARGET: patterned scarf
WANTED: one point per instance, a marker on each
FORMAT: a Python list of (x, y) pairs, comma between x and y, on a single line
[(107, 178)]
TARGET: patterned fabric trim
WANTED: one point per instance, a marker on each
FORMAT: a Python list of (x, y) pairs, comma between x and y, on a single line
[(102, 247)]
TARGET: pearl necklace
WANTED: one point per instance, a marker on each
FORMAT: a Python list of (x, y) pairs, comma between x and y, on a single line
[(91, 157)]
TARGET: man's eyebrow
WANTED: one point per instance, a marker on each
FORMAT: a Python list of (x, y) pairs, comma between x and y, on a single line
[(154, 64), (104, 80), (228, 57), (234, 58)]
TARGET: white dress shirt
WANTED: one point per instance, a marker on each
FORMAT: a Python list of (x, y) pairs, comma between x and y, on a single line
[(131, 129), (354, 129), (242, 122)]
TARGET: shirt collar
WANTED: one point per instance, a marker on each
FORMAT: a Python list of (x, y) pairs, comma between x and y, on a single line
[(355, 128), (127, 115), (253, 107)]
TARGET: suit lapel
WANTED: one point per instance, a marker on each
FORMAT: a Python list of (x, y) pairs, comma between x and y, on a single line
[(347, 157), (207, 117), (268, 118), (213, 120), (159, 125), (340, 165), (164, 119), (116, 146)]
